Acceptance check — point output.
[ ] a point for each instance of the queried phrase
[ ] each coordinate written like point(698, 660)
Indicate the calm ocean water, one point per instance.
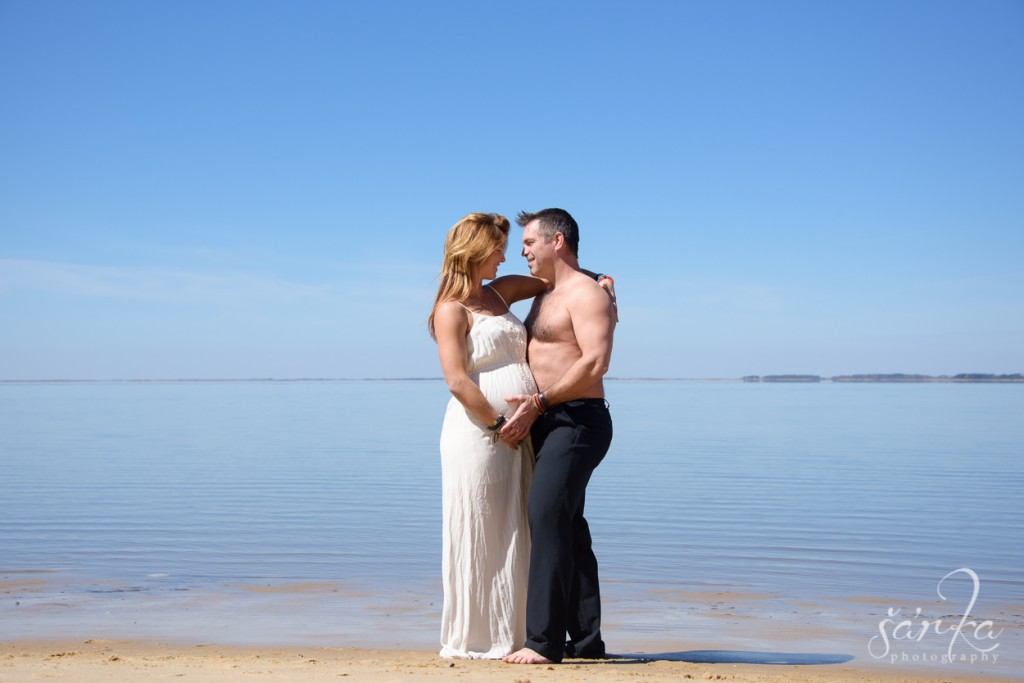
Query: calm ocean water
point(730, 515)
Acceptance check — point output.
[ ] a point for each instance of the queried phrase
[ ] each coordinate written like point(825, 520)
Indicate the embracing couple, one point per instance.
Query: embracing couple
point(520, 441)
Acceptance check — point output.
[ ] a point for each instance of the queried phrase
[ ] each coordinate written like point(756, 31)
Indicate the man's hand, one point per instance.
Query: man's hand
point(517, 427)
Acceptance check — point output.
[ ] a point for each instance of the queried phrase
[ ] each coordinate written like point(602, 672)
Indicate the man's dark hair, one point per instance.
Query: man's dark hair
point(551, 221)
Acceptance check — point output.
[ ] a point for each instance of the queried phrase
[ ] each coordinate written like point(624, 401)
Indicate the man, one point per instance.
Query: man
point(570, 330)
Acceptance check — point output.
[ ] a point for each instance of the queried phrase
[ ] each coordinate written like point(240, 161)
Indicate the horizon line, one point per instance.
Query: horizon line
point(750, 378)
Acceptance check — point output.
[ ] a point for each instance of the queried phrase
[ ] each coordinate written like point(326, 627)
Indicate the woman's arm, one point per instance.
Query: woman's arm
point(513, 288)
point(451, 325)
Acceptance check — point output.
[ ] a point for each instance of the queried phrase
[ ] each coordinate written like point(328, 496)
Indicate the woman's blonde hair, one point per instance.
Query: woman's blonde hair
point(468, 244)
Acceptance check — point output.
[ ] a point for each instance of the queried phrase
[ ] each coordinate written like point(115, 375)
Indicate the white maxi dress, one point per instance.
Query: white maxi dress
point(485, 537)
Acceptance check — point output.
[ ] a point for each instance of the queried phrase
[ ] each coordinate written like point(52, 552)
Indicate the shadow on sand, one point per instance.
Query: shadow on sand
point(740, 657)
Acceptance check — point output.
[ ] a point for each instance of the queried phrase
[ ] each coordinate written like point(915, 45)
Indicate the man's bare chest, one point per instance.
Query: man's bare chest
point(549, 320)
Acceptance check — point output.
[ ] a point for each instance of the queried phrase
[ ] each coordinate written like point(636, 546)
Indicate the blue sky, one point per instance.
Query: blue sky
point(261, 189)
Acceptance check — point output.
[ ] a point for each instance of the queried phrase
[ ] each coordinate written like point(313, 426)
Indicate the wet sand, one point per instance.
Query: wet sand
point(110, 660)
point(49, 630)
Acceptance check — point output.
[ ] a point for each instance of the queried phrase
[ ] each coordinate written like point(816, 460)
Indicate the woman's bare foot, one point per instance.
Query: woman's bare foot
point(526, 656)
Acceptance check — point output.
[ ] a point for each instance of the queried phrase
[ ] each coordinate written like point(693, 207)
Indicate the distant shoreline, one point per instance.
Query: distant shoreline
point(974, 378)
point(900, 378)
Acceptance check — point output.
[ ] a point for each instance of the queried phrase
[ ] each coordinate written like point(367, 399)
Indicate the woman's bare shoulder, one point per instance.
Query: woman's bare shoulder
point(452, 314)
point(450, 305)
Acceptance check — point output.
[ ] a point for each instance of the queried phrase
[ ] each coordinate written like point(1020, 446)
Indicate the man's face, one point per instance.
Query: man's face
point(540, 255)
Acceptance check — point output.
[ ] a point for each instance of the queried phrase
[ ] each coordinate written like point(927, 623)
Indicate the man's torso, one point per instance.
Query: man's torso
point(553, 347)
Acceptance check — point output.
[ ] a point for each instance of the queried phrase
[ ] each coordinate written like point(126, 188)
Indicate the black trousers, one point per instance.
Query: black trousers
point(563, 597)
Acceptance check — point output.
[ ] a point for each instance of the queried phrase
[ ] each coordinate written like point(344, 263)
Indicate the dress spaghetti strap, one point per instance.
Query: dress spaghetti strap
point(500, 297)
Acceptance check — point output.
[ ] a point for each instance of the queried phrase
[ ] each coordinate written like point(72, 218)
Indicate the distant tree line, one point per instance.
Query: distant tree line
point(782, 378)
point(962, 377)
point(892, 377)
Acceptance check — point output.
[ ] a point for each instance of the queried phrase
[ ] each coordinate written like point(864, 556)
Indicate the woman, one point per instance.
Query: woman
point(485, 479)
point(485, 538)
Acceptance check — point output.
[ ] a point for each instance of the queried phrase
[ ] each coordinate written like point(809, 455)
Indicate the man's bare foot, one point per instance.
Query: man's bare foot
point(526, 656)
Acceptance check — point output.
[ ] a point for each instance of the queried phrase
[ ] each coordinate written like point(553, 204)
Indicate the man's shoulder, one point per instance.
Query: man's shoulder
point(578, 280)
point(584, 295)
point(582, 286)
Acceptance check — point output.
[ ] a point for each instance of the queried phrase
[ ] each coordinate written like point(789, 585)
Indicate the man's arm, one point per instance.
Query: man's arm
point(608, 284)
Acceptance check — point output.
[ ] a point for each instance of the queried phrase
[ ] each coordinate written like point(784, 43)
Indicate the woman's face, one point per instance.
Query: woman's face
point(489, 267)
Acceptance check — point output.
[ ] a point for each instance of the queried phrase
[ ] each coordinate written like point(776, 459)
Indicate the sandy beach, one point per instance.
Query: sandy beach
point(142, 638)
point(115, 660)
